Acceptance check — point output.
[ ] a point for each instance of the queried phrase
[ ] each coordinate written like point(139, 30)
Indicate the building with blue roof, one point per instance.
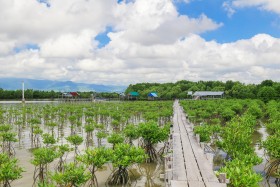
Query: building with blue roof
point(152, 96)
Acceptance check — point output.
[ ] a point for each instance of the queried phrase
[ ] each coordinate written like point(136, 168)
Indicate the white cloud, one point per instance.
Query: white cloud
point(150, 42)
point(193, 58)
point(153, 22)
point(68, 45)
point(228, 8)
point(269, 5)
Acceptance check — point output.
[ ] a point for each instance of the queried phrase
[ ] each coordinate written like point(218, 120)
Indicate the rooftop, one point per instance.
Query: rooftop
point(208, 93)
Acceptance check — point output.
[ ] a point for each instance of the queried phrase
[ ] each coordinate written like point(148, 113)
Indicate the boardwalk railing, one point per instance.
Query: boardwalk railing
point(186, 163)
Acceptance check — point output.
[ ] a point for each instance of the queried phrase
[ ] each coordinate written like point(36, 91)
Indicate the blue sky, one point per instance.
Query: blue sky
point(243, 24)
point(120, 42)
point(103, 38)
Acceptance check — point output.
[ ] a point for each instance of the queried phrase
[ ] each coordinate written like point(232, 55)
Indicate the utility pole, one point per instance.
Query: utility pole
point(23, 100)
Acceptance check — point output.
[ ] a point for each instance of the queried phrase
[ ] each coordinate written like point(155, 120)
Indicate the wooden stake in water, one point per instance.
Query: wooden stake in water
point(23, 100)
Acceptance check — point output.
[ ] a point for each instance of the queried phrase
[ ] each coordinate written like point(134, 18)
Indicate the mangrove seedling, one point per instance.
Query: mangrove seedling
point(95, 159)
point(115, 138)
point(152, 134)
point(75, 140)
point(9, 170)
point(42, 158)
point(73, 176)
point(62, 154)
point(124, 155)
point(131, 133)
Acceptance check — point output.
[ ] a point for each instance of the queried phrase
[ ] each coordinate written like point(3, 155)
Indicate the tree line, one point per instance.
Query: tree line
point(266, 90)
point(43, 94)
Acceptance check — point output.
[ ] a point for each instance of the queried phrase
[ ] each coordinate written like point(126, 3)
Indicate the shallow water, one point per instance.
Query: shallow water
point(141, 175)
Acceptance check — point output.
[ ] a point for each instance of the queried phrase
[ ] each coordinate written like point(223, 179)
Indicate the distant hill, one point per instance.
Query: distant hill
point(15, 84)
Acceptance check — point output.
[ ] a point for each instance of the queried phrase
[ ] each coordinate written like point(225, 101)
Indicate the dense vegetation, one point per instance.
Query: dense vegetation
point(266, 90)
point(111, 134)
point(229, 125)
point(41, 94)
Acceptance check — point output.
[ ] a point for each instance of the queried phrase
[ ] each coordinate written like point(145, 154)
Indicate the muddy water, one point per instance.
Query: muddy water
point(141, 175)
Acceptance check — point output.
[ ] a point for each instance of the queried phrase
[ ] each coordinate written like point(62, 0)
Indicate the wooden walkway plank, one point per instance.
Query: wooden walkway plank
point(179, 172)
point(190, 168)
point(193, 172)
point(215, 184)
point(179, 183)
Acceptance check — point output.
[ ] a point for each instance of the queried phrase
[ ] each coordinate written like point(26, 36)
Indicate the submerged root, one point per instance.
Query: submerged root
point(273, 168)
point(152, 154)
point(119, 177)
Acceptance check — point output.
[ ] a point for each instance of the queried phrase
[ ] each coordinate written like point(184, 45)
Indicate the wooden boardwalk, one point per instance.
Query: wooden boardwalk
point(186, 163)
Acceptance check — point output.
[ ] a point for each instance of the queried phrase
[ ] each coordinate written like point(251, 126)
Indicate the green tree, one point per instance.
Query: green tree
point(241, 173)
point(75, 140)
point(94, 159)
point(123, 156)
point(115, 138)
point(152, 134)
point(73, 176)
point(9, 170)
point(267, 93)
point(131, 132)
point(42, 158)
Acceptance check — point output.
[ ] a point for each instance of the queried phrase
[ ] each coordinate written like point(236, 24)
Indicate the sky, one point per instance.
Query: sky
point(122, 42)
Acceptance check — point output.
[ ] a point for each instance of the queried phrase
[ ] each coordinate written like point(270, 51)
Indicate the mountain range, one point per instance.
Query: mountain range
point(63, 86)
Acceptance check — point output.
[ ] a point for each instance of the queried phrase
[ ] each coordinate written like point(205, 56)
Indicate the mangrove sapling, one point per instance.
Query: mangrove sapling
point(46, 184)
point(131, 133)
point(73, 176)
point(152, 134)
point(115, 125)
point(33, 123)
point(89, 128)
point(240, 173)
point(9, 170)
point(207, 132)
point(37, 132)
point(73, 121)
point(61, 117)
point(7, 142)
point(48, 140)
point(5, 128)
point(123, 156)
point(115, 138)
point(75, 140)
point(42, 158)
point(52, 125)
point(95, 159)
point(101, 134)
point(19, 129)
point(237, 137)
point(62, 154)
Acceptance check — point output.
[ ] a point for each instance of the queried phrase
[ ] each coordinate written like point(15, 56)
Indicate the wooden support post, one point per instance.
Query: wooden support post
point(223, 177)
point(202, 145)
point(197, 138)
